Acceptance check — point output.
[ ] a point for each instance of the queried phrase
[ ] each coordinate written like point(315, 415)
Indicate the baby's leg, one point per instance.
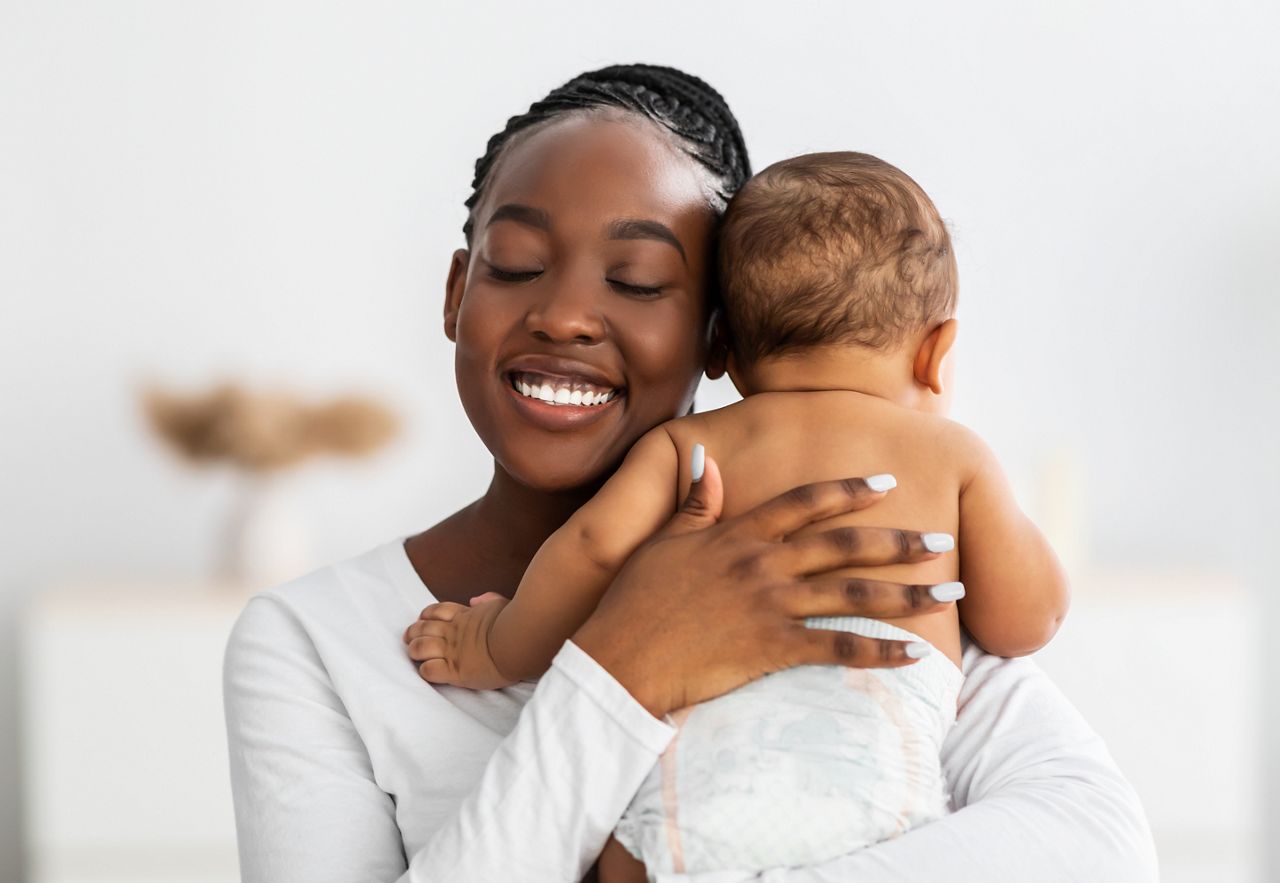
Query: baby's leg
point(451, 642)
point(616, 865)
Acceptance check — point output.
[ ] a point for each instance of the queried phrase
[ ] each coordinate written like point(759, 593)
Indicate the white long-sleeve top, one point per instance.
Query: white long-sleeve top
point(346, 766)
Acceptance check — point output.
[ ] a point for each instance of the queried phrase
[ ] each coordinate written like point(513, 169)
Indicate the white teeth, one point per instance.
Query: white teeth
point(562, 393)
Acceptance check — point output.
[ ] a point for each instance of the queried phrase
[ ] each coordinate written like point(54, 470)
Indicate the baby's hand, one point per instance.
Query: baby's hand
point(452, 644)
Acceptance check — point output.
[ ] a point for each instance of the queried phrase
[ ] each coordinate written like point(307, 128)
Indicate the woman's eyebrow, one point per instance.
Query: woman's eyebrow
point(521, 214)
point(635, 228)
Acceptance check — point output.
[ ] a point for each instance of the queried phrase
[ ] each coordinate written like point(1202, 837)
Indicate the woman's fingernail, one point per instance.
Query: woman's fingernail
point(881, 483)
point(698, 463)
point(938, 542)
point(947, 591)
point(917, 650)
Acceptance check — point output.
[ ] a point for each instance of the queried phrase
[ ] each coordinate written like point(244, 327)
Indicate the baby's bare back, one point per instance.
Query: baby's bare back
point(771, 442)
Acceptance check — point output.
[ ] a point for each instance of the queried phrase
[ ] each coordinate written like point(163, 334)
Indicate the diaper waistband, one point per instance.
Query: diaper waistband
point(934, 671)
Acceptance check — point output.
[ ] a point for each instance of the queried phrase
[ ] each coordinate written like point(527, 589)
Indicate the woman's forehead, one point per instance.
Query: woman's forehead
point(589, 165)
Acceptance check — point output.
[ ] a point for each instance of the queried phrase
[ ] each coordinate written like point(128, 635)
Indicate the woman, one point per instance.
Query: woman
point(589, 260)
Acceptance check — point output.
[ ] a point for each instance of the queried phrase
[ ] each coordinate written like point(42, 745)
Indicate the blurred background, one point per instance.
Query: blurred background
point(268, 194)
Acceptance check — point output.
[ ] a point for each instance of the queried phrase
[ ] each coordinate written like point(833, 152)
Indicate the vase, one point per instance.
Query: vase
point(265, 541)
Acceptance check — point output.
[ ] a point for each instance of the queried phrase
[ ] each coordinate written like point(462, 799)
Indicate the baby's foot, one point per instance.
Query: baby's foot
point(451, 643)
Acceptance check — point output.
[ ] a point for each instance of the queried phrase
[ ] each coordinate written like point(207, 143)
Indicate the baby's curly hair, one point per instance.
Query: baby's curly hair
point(833, 248)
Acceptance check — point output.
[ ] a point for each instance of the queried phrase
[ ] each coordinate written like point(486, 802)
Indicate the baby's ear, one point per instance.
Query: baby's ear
point(930, 362)
point(453, 288)
point(717, 346)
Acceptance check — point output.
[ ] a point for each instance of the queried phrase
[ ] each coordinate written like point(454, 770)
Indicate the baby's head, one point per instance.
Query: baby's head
point(837, 272)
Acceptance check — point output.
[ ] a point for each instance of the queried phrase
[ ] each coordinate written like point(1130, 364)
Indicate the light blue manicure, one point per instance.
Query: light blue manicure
point(698, 463)
point(881, 483)
point(917, 650)
point(947, 591)
point(938, 542)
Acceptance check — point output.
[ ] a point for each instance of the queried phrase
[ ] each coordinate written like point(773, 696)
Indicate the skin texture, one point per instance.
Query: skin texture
point(573, 298)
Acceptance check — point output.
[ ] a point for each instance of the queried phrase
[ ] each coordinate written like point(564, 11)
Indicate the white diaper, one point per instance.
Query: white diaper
point(798, 767)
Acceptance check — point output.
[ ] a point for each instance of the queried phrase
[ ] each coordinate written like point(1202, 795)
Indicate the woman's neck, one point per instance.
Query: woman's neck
point(521, 516)
point(487, 546)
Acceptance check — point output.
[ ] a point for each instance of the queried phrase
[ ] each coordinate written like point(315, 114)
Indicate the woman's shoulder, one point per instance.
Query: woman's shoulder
point(374, 593)
point(380, 576)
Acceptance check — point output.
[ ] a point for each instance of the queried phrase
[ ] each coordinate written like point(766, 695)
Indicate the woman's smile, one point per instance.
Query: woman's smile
point(560, 394)
point(561, 390)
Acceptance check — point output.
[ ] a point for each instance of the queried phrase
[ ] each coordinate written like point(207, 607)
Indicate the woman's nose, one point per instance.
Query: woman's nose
point(569, 315)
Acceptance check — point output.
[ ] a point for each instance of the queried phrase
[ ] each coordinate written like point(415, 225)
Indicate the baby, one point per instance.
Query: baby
point(839, 287)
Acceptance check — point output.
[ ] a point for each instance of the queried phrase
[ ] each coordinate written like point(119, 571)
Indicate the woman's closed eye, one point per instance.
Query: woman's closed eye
point(504, 275)
point(633, 289)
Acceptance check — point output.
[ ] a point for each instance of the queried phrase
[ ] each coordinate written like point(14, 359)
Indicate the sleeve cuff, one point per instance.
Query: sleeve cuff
point(612, 698)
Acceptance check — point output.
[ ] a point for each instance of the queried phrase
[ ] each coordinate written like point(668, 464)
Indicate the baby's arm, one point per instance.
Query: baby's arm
point(1016, 592)
point(574, 567)
point(499, 642)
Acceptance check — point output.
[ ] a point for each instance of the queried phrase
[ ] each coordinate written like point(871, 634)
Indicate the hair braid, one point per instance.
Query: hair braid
point(681, 103)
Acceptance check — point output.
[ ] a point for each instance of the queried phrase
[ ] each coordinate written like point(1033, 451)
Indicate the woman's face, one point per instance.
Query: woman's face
point(579, 312)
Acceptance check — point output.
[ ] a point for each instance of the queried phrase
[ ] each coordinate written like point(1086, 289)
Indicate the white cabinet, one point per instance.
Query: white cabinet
point(1168, 668)
point(124, 748)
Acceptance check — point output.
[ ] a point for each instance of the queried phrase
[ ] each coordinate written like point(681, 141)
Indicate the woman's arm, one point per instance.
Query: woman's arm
point(1040, 799)
point(306, 803)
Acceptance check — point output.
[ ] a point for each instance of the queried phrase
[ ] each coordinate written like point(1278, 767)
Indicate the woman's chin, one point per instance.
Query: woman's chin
point(579, 458)
point(558, 473)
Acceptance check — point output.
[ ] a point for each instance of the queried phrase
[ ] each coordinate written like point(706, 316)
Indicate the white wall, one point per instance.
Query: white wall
point(272, 191)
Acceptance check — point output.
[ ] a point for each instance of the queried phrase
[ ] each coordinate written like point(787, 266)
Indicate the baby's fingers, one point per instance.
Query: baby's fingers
point(427, 627)
point(428, 647)
point(437, 671)
point(445, 611)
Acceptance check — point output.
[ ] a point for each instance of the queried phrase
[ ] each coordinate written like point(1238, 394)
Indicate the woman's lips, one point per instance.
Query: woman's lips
point(560, 402)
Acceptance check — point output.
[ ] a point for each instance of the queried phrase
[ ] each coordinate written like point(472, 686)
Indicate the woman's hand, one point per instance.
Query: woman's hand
point(706, 606)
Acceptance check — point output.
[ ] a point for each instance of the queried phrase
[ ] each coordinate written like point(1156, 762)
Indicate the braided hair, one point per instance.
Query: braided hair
point(684, 105)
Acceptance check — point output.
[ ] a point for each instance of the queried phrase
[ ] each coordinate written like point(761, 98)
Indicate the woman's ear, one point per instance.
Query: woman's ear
point(932, 356)
point(453, 288)
point(717, 346)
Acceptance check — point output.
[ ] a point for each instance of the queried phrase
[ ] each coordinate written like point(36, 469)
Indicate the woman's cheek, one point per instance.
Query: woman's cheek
point(665, 363)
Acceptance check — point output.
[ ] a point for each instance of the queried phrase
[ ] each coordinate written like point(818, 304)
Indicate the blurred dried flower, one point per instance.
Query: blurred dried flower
point(264, 431)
